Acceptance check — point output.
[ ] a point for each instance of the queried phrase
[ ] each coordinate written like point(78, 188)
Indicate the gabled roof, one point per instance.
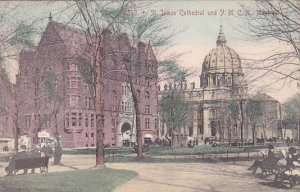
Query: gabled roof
point(263, 96)
point(73, 38)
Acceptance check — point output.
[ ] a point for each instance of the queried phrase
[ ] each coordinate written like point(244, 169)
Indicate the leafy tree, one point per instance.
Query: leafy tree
point(291, 110)
point(233, 116)
point(253, 111)
point(175, 113)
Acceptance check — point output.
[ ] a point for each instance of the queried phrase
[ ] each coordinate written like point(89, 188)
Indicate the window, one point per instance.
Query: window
point(74, 119)
point(113, 123)
point(92, 120)
point(88, 102)
point(122, 106)
point(72, 67)
point(138, 94)
point(26, 86)
point(74, 100)
point(92, 135)
point(129, 107)
point(114, 95)
point(126, 106)
point(147, 81)
point(155, 123)
point(147, 123)
point(74, 82)
point(80, 119)
point(147, 95)
point(125, 90)
point(67, 120)
point(147, 108)
point(78, 82)
point(86, 121)
point(229, 81)
point(114, 107)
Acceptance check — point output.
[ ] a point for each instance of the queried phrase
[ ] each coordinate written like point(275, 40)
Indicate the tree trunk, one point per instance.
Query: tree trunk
point(16, 125)
point(139, 139)
point(100, 138)
point(139, 136)
point(56, 125)
point(242, 122)
point(229, 136)
point(99, 128)
point(253, 134)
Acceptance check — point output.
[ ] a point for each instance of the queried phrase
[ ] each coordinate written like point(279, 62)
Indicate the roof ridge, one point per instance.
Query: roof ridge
point(66, 26)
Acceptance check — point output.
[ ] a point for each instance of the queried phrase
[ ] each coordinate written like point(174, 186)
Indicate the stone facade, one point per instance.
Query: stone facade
point(57, 98)
point(222, 82)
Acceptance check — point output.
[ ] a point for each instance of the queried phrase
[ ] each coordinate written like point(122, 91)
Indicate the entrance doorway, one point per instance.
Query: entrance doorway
point(125, 134)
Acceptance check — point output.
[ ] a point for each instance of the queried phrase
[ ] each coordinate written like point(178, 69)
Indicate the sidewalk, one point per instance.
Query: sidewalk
point(69, 163)
point(176, 177)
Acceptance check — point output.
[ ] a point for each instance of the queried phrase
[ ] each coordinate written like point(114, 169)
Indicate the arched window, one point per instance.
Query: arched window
point(122, 106)
point(147, 95)
point(114, 95)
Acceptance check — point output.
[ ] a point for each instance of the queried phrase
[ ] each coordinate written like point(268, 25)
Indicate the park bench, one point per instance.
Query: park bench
point(29, 163)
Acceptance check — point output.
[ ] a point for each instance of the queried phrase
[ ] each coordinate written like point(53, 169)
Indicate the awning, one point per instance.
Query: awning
point(148, 136)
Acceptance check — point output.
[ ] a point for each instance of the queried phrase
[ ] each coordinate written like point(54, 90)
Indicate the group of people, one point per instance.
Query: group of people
point(37, 151)
point(22, 154)
point(291, 157)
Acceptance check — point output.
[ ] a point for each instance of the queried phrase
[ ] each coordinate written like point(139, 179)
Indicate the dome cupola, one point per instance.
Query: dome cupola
point(221, 38)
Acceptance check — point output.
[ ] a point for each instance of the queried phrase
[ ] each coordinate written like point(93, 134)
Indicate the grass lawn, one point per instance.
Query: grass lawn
point(166, 150)
point(199, 149)
point(98, 180)
point(91, 151)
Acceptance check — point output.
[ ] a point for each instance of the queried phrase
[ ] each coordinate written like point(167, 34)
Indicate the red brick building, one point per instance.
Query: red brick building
point(57, 98)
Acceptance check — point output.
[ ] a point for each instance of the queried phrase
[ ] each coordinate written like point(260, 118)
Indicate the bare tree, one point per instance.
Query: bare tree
point(277, 21)
point(89, 17)
point(14, 37)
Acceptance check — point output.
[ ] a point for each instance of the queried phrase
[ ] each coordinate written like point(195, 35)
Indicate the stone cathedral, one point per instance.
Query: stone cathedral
point(222, 81)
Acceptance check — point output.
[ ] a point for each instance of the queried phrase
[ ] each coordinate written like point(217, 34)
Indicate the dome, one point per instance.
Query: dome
point(221, 66)
point(222, 58)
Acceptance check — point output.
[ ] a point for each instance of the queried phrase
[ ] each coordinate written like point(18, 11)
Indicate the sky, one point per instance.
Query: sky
point(198, 23)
